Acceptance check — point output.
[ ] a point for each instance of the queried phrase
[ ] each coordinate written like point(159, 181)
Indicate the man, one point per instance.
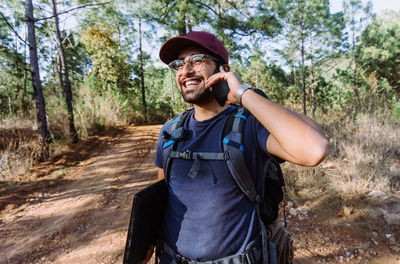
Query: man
point(207, 216)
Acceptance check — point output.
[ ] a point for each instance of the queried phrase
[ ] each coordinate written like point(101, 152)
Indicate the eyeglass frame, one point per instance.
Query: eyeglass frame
point(190, 60)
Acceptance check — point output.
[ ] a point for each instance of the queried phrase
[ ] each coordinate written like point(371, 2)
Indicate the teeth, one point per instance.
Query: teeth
point(192, 83)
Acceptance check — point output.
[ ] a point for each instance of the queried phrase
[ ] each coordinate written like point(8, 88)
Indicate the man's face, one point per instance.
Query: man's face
point(191, 82)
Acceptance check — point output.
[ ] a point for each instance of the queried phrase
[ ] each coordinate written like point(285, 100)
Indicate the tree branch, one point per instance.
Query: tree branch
point(12, 28)
point(72, 9)
point(237, 9)
point(211, 9)
point(162, 17)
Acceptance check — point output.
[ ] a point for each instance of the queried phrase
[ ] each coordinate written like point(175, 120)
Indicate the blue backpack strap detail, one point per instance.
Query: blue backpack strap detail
point(168, 143)
point(241, 116)
point(233, 143)
point(175, 121)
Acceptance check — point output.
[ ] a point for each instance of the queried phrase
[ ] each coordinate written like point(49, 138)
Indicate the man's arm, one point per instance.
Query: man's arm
point(294, 137)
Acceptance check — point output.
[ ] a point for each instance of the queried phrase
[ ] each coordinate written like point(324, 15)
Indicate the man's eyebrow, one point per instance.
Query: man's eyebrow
point(182, 58)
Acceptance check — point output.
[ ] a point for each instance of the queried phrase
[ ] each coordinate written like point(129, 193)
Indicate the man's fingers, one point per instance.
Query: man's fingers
point(212, 80)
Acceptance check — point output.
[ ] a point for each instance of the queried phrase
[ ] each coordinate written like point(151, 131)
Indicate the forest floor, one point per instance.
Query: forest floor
point(75, 208)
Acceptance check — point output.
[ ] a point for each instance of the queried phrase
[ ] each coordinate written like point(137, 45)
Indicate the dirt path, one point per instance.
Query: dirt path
point(83, 217)
point(75, 209)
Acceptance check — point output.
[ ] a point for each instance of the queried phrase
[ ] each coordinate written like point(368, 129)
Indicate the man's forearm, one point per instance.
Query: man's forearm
point(294, 137)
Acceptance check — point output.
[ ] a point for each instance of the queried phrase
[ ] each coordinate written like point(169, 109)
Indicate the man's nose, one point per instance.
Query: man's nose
point(187, 68)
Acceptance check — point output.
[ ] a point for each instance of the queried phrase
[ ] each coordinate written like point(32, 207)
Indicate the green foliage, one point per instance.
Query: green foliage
point(311, 37)
point(230, 21)
point(269, 78)
point(109, 62)
point(159, 84)
point(76, 56)
point(396, 109)
point(13, 93)
point(103, 58)
point(380, 49)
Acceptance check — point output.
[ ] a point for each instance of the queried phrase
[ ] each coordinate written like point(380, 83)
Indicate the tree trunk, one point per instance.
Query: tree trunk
point(257, 67)
point(19, 70)
point(9, 101)
point(37, 86)
point(182, 19)
point(59, 73)
point(292, 74)
point(303, 78)
point(182, 31)
point(189, 23)
point(312, 87)
point(313, 104)
point(66, 84)
point(141, 69)
point(355, 88)
point(23, 99)
point(172, 86)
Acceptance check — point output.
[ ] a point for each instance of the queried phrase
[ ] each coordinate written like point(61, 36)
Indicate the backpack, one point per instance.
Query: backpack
point(233, 154)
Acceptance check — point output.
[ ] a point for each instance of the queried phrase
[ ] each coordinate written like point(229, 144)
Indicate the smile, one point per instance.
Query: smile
point(192, 82)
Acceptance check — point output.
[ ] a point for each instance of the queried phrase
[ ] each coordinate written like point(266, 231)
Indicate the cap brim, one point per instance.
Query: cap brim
point(171, 48)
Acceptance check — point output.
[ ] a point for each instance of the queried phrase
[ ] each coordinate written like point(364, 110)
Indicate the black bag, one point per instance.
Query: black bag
point(145, 221)
point(273, 192)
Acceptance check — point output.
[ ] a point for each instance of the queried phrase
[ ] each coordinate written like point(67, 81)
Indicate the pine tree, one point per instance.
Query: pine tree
point(311, 35)
point(64, 82)
point(37, 85)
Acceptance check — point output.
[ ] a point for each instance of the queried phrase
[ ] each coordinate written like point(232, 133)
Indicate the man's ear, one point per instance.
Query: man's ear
point(226, 67)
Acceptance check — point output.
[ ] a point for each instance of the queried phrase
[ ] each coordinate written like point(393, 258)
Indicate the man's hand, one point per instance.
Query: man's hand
point(231, 78)
point(148, 255)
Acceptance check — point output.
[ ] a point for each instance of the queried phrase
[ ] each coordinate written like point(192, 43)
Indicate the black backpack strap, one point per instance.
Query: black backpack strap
point(189, 155)
point(175, 134)
point(197, 156)
point(233, 144)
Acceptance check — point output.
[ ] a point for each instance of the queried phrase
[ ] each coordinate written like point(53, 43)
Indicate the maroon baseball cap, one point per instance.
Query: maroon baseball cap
point(169, 51)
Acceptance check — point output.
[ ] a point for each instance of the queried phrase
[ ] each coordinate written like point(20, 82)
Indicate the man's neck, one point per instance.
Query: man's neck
point(208, 110)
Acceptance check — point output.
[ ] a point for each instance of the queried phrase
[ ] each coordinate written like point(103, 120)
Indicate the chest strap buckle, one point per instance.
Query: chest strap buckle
point(187, 154)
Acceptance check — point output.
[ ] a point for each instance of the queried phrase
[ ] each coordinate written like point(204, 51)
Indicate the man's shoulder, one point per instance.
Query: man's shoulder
point(168, 123)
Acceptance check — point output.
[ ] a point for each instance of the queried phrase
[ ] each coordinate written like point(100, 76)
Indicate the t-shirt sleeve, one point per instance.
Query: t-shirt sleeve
point(262, 135)
point(158, 160)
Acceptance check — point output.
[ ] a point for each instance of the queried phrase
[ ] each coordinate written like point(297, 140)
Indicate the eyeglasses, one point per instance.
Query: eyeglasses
point(195, 62)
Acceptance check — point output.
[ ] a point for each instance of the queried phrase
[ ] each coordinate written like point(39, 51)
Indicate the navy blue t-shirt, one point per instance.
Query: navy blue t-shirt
point(209, 217)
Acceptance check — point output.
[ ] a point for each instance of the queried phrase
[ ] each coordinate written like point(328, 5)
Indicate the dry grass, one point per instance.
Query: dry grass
point(20, 140)
point(19, 147)
point(364, 156)
point(96, 112)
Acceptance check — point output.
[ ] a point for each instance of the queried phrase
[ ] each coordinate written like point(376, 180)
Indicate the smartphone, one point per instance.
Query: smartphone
point(220, 90)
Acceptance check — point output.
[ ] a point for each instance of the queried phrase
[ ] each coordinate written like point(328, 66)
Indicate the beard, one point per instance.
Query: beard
point(198, 97)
